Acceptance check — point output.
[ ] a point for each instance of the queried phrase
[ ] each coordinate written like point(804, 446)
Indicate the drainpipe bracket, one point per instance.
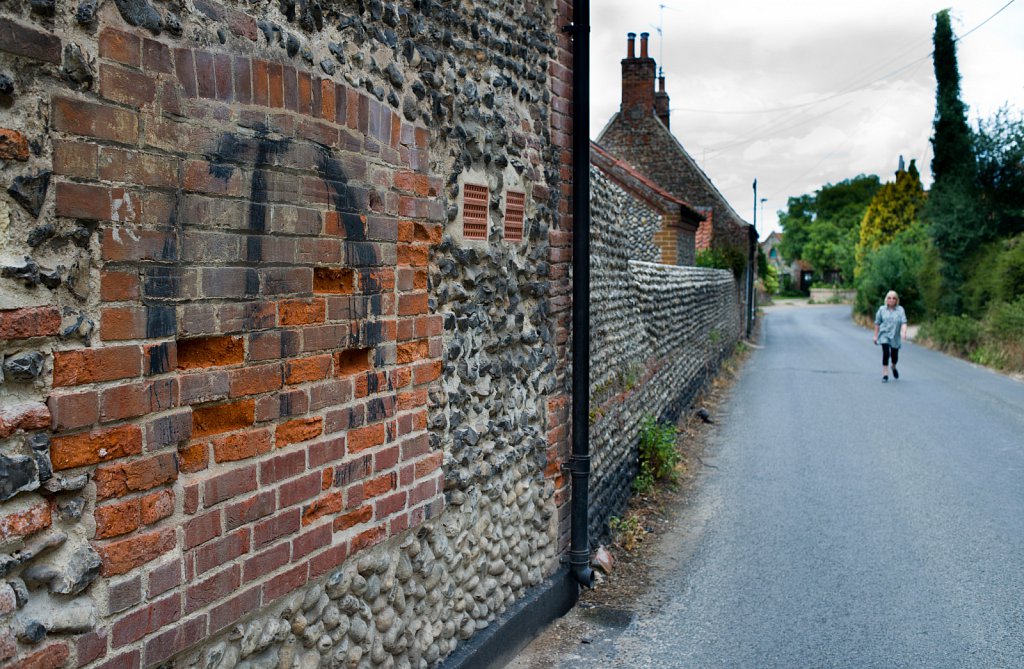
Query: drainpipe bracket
point(578, 465)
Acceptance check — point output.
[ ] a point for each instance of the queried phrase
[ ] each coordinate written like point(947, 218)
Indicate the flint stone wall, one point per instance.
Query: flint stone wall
point(261, 407)
point(658, 332)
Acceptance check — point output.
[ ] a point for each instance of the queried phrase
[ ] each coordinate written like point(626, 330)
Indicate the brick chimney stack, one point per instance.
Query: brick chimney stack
point(661, 106)
point(637, 80)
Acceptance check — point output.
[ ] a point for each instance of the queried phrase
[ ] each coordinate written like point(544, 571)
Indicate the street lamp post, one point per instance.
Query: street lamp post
point(755, 205)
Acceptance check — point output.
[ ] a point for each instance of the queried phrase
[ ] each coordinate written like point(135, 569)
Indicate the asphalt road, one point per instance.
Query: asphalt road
point(845, 522)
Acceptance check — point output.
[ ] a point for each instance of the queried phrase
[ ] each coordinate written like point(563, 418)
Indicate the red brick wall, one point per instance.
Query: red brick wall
point(705, 232)
point(252, 406)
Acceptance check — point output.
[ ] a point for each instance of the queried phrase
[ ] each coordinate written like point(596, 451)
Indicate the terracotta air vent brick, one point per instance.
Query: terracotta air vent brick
point(474, 211)
point(515, 205)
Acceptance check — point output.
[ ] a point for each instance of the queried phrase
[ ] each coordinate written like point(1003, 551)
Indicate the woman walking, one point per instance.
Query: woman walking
point(890, 330)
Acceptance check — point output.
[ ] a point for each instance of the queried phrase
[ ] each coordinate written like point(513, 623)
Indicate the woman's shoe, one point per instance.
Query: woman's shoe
point(885, 379)
point(895, 374)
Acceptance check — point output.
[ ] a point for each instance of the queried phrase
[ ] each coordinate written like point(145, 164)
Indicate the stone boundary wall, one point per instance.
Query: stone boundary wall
point(658, 332)
point(832, 296)
point(262, 405)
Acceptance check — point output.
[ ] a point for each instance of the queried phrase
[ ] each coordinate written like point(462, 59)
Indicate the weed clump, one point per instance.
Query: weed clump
point(658, 454)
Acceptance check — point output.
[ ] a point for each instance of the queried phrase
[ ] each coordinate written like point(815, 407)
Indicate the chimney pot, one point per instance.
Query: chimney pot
point(661, 102)
point(631, 48)
point(638, 76)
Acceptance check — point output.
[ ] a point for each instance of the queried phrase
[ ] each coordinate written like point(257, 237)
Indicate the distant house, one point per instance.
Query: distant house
point(796, 275)
point(660, 227)
point(639, 134)
point(771, 249)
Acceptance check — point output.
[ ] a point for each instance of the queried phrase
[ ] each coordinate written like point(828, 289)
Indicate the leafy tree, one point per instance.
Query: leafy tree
point(957, 221)
point(822, 228)
point(762, 263)
point(929, 279)
point(894, 209)
point(724, 256)
point(999, 146)
point(844, 203)
point(995, 275)
point(829, 248)
point(770, 280)
point(895, 266)
point(794, 221)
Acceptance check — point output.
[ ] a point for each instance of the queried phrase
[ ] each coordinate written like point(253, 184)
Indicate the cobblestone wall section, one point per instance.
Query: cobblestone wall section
point(685, 249)
point(260, 406)
point(618, 348)
point(687, 309)
point(657, 334)
point(640, 224)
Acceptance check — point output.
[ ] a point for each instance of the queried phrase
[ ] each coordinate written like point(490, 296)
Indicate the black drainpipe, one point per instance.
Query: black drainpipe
point(579, 463)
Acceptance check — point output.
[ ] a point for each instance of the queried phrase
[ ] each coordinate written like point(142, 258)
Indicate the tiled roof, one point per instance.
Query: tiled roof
point(641, 186)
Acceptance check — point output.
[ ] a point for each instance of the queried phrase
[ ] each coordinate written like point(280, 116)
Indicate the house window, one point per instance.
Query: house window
point(474, 211)
point(515, 206)
point(773, 254)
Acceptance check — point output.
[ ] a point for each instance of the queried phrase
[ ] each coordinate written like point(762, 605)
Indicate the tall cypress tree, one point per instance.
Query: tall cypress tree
point(954, 154)
point(953, 209)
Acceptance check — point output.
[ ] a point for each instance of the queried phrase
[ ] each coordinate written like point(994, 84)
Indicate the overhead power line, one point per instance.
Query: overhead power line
point(842, 147)
point(849, 89)
point(998, 12)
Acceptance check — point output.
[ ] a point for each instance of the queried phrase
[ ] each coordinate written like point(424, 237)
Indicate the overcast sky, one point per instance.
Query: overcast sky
point(801, 93)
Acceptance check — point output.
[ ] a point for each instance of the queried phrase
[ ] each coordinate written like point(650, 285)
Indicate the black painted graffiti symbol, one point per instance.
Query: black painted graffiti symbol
point(277, 165)
point(234, 149)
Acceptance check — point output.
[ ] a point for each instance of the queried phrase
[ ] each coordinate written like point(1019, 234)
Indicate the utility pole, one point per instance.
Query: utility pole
point(751, 264)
